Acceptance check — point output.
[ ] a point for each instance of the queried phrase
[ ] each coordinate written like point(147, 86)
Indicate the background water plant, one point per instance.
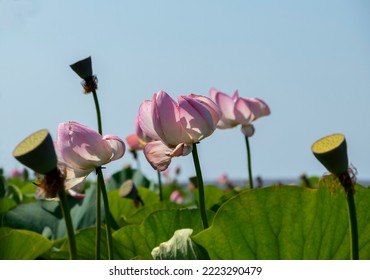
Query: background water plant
point(273, 222)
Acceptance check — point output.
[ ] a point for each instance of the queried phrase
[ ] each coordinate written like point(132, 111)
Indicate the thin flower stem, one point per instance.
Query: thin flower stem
point(200, 187)
point(69, 225)
point(160, 186)
point(98, 222)
point(249, 162)
point(353, 224)
point(101, 184)
point(98, 115)
point(98, 191)
point(348, 185)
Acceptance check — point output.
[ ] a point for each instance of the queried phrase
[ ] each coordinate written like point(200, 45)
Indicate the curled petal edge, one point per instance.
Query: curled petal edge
point(117, 145)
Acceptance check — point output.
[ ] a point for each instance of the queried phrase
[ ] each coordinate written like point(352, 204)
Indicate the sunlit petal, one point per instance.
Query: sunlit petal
point(226, 105)
point(166, 119)
point(82, 147)
point(258, 107)
point(243, 113)
point(199, 116)
point(145, 119)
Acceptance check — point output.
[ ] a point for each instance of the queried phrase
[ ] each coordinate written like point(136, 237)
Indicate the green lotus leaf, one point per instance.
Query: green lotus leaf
point(21, 244)
point(288, 222)
point(138, 241)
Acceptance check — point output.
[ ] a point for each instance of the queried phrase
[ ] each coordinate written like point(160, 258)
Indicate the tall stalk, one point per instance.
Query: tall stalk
point(200, 186)
point(98, 188)
point(98, 115)
point(101, 189)
point(69, 225)
point(347, 183)
point(101, 185)
point(249, 162)
point(160, 186)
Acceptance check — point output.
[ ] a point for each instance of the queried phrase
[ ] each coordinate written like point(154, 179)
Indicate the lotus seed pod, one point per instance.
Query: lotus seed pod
point(37, 152)
point(331, 151)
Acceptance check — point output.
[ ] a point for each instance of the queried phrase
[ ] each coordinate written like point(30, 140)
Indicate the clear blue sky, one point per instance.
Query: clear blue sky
point(309, 60)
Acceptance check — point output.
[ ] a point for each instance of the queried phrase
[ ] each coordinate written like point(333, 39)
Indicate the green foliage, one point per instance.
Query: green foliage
point(82, 211)
point(35, 216)
point(127, 173)
point(138, 216)
point(288, 222)
point(41, 214)
point(21, 244)
point(277, 222)
point(138, 241)
point(121, 208)
point(2, 186)
point(6, 204)
point(85, 241)
point(14, 192)
point(213, 196)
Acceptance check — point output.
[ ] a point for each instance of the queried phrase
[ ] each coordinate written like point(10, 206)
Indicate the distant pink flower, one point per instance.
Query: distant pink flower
point(223, 178)
point(15, 172)
point(176, 197)
point(134, 142)
point(81, 150)
point(237, 110)
point(177, 125)
point(137, 141)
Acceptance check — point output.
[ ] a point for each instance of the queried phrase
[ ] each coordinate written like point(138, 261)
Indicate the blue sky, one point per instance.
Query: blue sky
point(309, 60)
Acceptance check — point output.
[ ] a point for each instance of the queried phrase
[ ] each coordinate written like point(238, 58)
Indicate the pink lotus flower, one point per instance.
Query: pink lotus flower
point(81, 150)
point(237, 110)
point(177, 125)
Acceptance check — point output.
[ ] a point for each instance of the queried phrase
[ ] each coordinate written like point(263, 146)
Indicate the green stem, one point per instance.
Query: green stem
point(249, 162)
point(353, 225)
point(101, 183)
point(200, 186)
point(98, 115)
point(346, 181)
point(69, 225)
point(98, 222)
point(160, 186)
point(98, 191)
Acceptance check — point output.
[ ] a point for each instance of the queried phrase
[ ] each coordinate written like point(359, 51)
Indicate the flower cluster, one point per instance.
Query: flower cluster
point(165, 129)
